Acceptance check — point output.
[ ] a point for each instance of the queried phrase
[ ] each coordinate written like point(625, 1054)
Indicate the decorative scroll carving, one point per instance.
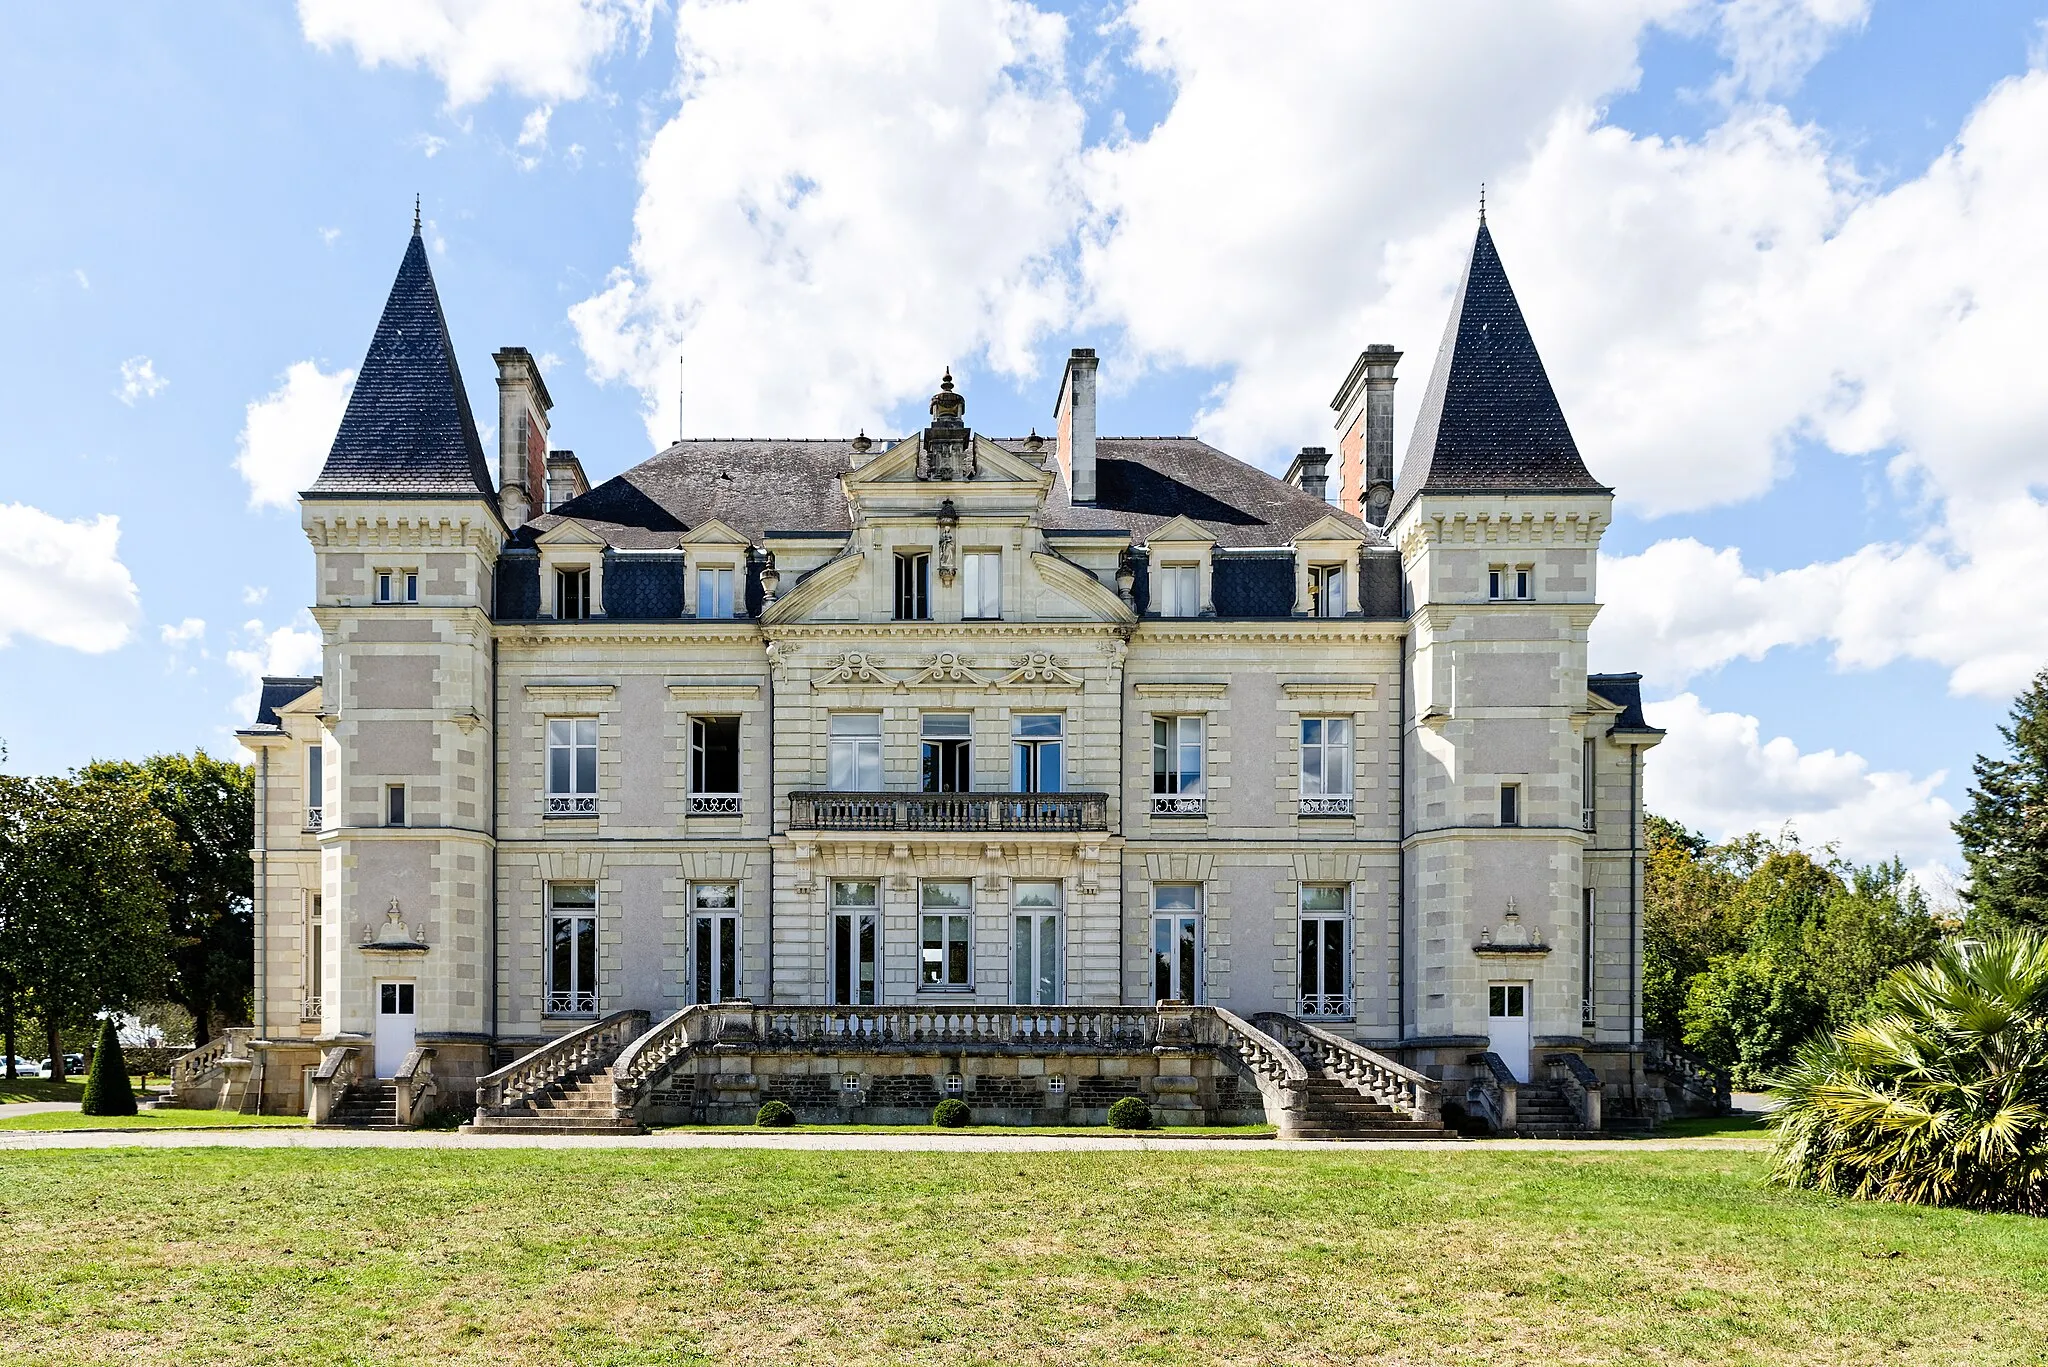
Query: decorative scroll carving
point(1039, 669)
point(947, 668)
point(854, 667)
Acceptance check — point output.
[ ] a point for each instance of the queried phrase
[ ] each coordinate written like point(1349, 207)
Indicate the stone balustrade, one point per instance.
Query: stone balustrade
point(1700, 1083)
point(1579, 1084)
point(340, 1068)
point(415, 1087)
point(1494, 1089)
point(816, 810)
point(1371, 1075)
point(580, 1051)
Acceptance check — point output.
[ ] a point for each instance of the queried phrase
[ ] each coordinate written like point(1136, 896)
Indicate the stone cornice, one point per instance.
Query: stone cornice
point(925, 634)
point(1440, 616)
point(1305, 630)
point(1504, 520)
point(371, 524)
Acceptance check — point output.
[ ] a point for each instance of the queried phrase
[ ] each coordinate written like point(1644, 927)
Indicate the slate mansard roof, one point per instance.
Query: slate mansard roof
point(1626, 692)
point(761, 486)
point(1489, 421)
point(280, 691)
point(408, 430)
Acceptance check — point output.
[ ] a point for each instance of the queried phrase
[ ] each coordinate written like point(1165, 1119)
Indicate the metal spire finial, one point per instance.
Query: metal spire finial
point(415, 215)
point(1482, 204)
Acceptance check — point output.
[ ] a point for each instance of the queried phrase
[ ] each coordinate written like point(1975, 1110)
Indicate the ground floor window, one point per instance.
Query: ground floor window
point(572, 949)
point(855, 942)
point(714, 942)
point(1035, 944)
point(1325, 983)
point(945, 919)
point(1176, 942)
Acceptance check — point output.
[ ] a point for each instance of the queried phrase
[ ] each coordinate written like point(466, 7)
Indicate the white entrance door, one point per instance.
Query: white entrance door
point(1507, 1026)
point(395, 1019)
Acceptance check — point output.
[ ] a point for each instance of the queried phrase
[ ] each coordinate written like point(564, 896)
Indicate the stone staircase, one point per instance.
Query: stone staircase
point(1335, 1112)
point(1542, 1111)
point(580, 1102)
point(368, 1105)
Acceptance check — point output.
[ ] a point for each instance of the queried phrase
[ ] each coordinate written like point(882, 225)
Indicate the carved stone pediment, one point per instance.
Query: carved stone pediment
point(947, 669)
point(1039, 669)
point(854, 668)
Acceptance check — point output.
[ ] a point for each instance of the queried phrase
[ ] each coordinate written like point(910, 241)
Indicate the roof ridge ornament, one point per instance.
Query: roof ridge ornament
point(1482, 204)
point(415, 215)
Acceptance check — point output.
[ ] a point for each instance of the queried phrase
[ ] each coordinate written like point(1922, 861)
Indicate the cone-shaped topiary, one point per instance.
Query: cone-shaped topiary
point(106, 1084)
point(1129, 1113)
point(775, 1115)
point(951, 1114)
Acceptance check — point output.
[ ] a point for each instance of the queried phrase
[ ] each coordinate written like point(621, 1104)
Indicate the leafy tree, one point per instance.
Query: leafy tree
point(1689, 919)
point(1748, 1012)
point(211, 804)
point(2005, 832)
point(106, 1082)
point(1940, 1097)
point(82, 910)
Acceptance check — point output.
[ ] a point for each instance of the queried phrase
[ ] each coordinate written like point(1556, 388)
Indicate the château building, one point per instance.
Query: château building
point(1011, 767)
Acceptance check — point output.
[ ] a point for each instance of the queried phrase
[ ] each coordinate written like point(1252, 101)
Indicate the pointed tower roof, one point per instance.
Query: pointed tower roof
point(1489, 421)
point(408, 429)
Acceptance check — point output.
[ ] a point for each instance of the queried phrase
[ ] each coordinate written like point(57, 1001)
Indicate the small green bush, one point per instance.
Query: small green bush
point(775, 1115)
point(951, 1114)
point(1129, 1113)
point(106, 1083)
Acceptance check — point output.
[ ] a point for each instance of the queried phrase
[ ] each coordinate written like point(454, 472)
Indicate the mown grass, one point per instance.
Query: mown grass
point(146, 1120)
point(684, 1256)
point(49, 1089)
point(1058, 1131)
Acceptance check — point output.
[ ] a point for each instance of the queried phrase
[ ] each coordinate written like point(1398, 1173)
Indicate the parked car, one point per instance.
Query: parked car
point(74, 1064)
point(24, 1067)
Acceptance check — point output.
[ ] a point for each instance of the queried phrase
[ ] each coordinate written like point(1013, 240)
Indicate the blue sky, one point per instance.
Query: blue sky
point(1781, 256)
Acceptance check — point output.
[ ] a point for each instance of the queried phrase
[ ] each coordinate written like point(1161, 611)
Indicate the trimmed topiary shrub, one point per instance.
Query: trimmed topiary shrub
point(775, 1115)
point(951, 1114)
point(106, 1083)
point(1129, 1113)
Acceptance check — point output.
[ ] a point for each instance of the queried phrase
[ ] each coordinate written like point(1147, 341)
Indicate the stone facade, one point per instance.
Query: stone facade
point(1312, 799)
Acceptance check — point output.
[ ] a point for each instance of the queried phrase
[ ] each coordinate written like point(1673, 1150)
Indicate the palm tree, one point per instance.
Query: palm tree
point(1941, 1097)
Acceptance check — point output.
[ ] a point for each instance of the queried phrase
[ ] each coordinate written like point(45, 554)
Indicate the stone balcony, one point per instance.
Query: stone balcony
point(816, 810)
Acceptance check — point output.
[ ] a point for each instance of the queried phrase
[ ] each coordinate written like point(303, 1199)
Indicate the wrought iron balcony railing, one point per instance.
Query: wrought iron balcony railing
point(1326, 1006)
point(572, 804)
point(313, 815)
point(714, 804)
point(815, 810)
point(1328, 804)
point(1180, 804)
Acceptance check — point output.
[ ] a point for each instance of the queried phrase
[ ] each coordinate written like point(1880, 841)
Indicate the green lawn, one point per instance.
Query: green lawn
point(1474, 1255)
point(48, 1089)
point(147, 1120)
point(1059, 1131)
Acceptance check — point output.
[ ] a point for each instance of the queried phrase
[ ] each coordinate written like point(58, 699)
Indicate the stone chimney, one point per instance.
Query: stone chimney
point(1365, 452)
point(1073, 416)
point(1310, 473)
point(523, 405)
point(566, 479)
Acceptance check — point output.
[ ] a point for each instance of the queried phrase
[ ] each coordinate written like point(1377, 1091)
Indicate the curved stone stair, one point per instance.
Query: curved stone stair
point(579, 1103)
point(1333, 1111)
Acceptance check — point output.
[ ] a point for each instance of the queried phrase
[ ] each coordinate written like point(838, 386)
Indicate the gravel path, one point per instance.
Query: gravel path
point(8, 1108)
point(919, 1141)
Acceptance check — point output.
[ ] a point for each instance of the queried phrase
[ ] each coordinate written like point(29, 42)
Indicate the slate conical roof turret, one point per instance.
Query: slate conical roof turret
point(408, 430)
point(1489, 421)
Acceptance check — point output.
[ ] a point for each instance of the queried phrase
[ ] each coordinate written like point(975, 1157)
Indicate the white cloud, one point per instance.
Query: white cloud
point(252, 595)
point(542, 49)
point(847, 199)
point(83, 282)
point(183, 633)
point(63, 582)
point(329, 236)
point(1714, 773)
point(430, 145)
point(287, 433)
point(1771, 44)
point(290, 650)
point(533, 136)
point(139, 380)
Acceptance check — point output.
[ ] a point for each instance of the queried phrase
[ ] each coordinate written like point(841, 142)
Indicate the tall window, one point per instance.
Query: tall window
point(1326, 766)
point(913, 586)
point(572, 949)
point(316, 785)
point(316, 960)
point(947, 760)
point(714, 766)
point(572, 766)
point(714, 592)
point(856, 933)
point(1588, 941)
point(398, 586)
point(1035, 944)
point(946, 914)
point(856, 752)
point(714, 942)
point(1035, 761)
point(394, 804)
point(1510, 804)
point(1179, 589)
point(1325, 951)
point(1177, 787)
point(1177, 942)
point(572, 594)
point(1326, 591)
point(1588, 793)
point(981, 577)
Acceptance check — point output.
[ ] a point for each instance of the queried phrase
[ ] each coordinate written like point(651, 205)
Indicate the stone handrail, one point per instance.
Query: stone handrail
point(1493, 1088)
point(820, 810)
point(647, 1057)
point(584, 1050)
point(196, 1071)
point(1580, 1085)
point(415, 1086)
point(1282, 1078)
point(1345, 1061)
point(1115, 1029)
point(1697, 1078)
point(339, 1069)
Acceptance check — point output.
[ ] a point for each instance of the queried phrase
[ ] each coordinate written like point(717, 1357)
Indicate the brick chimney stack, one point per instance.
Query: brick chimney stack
point(1365, 452)
point(1073, 416)
point(523, 405)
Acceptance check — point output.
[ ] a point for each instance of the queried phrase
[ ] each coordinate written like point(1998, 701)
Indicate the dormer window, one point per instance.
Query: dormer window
point(913, 586)
point(1326, 591)
point(1180, 590)
point(715, 591)
point(398, 586)
point(572, 593)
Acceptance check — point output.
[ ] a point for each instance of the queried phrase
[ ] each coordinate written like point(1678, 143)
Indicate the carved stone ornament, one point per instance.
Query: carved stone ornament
point(946, 667)
point(394, 933)
point(946, 449)
point(1039, 668)
point(771, 578)
point(854, 667)
point(949, 542)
